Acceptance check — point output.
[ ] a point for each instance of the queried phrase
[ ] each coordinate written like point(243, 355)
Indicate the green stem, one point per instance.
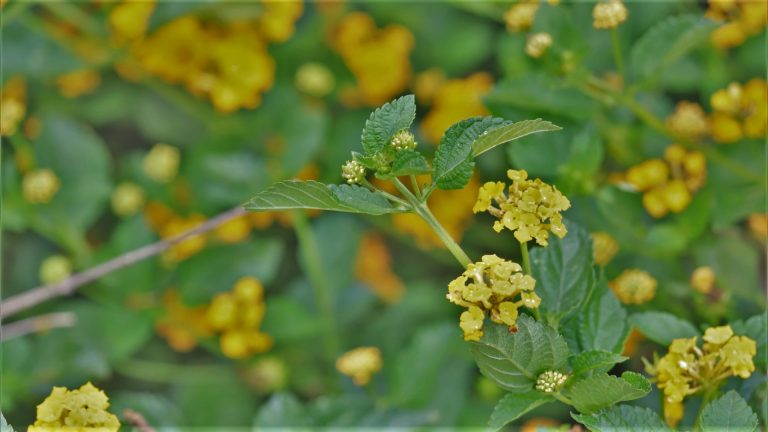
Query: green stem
point(389, 196)
point(562, 398)
point(708, 396)
point(316, 273)
point(617, 56)
point(423, 210)
point(415, 185)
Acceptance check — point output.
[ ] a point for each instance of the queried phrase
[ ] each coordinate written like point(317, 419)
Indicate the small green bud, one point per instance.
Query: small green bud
point(353, 172)
point(550, 381)
point(403, 140)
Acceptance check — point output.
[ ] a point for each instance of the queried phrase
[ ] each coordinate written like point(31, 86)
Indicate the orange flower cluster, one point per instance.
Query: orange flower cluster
point(742, 19)
point(455, 100)
point(374, 268)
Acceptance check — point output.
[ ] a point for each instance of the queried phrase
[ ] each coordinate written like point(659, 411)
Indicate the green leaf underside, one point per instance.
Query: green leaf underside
point(623, 418)
point(409, 162)
point(600, 391)
point(514, 360)
point(514, 405)
point(662, 327)
point(386, 121)
point(604, 325)
point(563, 272)
point(596, 361)
point(729, 412)
point(300, 194)
point(509, 132)
point(453, 162)
point(667, 42)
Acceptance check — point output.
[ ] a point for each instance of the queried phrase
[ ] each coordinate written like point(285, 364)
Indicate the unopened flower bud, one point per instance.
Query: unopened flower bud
point(403, 140)
point(550, 381)
point(353, 172)
point(538, 44)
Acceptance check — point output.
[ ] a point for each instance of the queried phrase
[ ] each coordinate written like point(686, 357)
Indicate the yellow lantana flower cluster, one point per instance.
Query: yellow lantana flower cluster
point(538, 44)
point(360, 364)
point(668, 184)
point(278, 19)
point(453, 101)
point(491, 285)
point(703, 279)
point(739, 111)
point(13, 105)
point(84, 409)
point(687, 369)
point(608, 14)
point(519, 17)
point(237, 316)
point(604, 247)
point(689, 120)
point(634, 286)
point(181, 325)
point(531, 208)
point(743, 18)
point(377, 57)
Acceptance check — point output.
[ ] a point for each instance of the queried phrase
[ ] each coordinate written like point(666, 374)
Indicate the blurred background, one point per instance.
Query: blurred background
point(128, 122)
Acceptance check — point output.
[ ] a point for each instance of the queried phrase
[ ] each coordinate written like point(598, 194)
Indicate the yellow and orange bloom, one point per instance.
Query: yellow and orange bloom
point(360, 364)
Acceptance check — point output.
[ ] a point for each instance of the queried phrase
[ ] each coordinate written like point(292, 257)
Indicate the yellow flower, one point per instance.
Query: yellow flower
point(40, 186)
point(634, 286)
point(234, 230)
point(378, 58)
point(127, 199)
point(128, 20)
point(187, 247)
point(703, 279)
point(267, 375)
point(715, 336)
point(81, 409)
point(315, 79)
point(538, 44)
point(78, 83)
point(13, 105)
point(360, 364)
point(488, 192)
point(531, 209)
point(738, 353)
point(676, 196)
point(278, 18)
point(608, 14)
point(520, 16)
point(427, 84)
point(758, 225)
point(373, 267)
point(181, 326)
point(604, 247)
point(739, 111)
point(456, 100)
point(161, 164)
point(743, 19)
point(648, 174)
point(55, 269)
point(494, 283)
point(688, 120)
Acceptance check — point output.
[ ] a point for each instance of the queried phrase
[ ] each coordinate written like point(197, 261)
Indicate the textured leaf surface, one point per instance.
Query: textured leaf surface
point(604, 324)
point(386, 121)
point(453, 158)
point(601, 391)
point(514, 405)
point(514, 360)
point(563, 273)
point(662, 327)
point(299, 194)
point(509, 132)
point(623, 418)
point(667, 42)
point(409, 162)
point(730, 412)
point(596, 361)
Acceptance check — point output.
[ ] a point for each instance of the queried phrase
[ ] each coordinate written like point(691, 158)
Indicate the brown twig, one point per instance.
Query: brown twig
point(137, 420)
point(37, 324)
point(35, 296)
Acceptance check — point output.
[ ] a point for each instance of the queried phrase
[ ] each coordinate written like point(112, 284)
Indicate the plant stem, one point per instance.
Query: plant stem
point(616, 43)
point(423, 210)
point(316, 273)
point(389, 196)
point(708, 396)
point(415, 185)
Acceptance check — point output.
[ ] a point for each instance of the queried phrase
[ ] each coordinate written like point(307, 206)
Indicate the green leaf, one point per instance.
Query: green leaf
point(624, 418)
point(453, 158)
point(662, 327)
point(539, 94)
point(600, 391)
point(729, 412)
point(604, 324)
point(667, 42)
point(514, 405)
point(386, 121)
point(508, 132)
point(281, 410)
point(515, 360)
point(408, 162)
point(563, 273)
point(595, 361)
point(299, 194)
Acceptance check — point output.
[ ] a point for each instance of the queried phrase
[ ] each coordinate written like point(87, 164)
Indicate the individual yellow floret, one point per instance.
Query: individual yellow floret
point(127, 199)
point(315, 79)
point(360, 364)
point(76, 410)
point(703, 279)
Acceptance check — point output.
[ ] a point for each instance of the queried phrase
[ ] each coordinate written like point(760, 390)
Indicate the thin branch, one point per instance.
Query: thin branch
point(37, 324)
point(137, 420)
point(33, 297)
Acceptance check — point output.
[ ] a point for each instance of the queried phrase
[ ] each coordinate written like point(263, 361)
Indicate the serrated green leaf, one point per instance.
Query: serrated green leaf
point(729, 412)
point(624, 418)
point(509, 132)
point(300, 194)
point(563, 273)
point(386, 121)
point(595, 361)
point(600, 391)
point(663, 327)
point(408, 162)
point(453, 163)
point(604, 324)
point(515, 360)
point(514, 405)
point(667, 42)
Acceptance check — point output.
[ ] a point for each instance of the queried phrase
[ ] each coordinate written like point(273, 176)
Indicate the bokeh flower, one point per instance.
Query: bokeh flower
point(688, 120)
point(180, 325)
point(360, 364)
point(373, 267)
point(519, 17)
point(634, 286)
point(77, 83)
point(13, 101)
point(740, 20)
point(608, 14)
point(538, 44)
point(39, 186)
point(604, 247)
point(161, 164)
point(455, 100)
point(55, 269)
point(127, 199)
point(703, 279)
point(740, 111)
